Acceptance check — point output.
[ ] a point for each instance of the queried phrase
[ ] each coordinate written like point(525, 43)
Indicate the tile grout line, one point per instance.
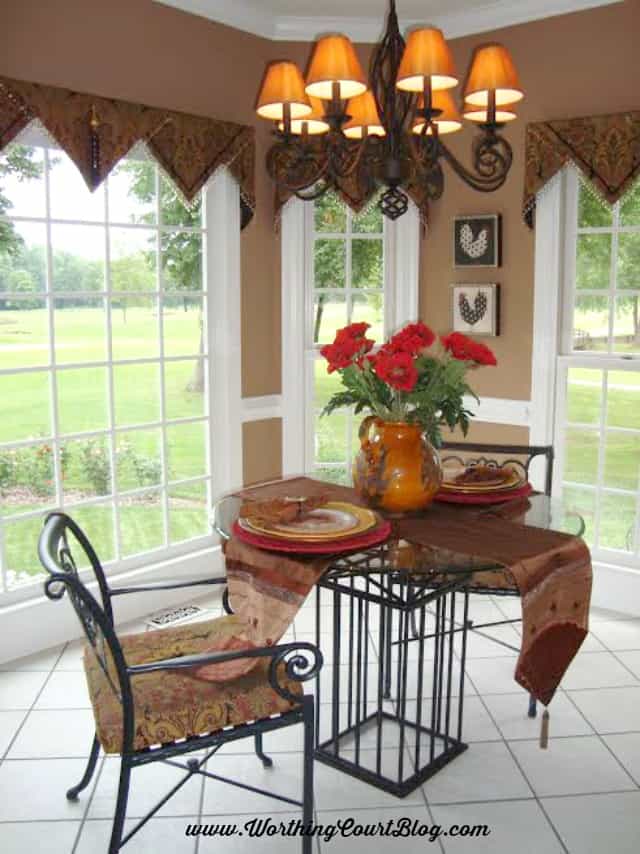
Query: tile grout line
point(35, 700)
point(526, 779)
point(85, 816)
point(602, 740)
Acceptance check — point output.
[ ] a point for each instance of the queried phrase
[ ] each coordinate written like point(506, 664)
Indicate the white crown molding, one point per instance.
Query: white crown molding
point(255, 17)
point(252, 16)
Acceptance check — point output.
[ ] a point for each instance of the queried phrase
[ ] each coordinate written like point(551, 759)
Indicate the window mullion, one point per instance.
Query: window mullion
point(161, 373)
point(50, 299)
point(115, 511)
point(613, 276)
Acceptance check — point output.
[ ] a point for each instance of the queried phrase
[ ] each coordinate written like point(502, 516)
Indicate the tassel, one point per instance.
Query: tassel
point(94, 124)
point(544, 730)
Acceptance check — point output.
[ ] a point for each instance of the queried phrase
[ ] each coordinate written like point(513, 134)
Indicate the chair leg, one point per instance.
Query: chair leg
point(533, 707)
point(121, 807)
point(267, 761)
point(73, 793)
point(225, 601)
point(307, 780)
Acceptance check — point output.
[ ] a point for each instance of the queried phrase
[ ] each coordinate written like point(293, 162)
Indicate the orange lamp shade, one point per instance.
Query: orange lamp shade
point(426, 57)
point(364, 114)
point(282, 84)
point(504, 113)
point(334, 60)
point(448, 121)
point(314, 123)
point(492, 70)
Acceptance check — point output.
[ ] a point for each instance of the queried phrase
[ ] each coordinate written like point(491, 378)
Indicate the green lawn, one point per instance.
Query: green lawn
point(82, 401)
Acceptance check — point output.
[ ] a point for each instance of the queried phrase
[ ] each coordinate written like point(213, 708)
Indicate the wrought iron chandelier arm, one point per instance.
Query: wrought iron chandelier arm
point(492, 158)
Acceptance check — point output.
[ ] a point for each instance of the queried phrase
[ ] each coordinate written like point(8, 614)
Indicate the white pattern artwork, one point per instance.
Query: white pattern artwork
point(477, 241)
point(475, 309)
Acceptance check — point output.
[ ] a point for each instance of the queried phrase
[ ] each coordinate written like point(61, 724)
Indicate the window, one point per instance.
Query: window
point(104, 369)
point(346, 273)
point(598, 379)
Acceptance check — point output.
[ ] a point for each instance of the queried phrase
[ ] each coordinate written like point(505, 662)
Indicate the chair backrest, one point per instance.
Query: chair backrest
point(520, 456)
point(96, 620)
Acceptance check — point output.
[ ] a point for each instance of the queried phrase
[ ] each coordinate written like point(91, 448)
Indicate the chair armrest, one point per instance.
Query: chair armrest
point(168, 584)
point(302, 662)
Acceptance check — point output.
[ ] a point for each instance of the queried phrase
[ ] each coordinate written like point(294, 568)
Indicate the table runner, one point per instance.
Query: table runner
point(551, 570)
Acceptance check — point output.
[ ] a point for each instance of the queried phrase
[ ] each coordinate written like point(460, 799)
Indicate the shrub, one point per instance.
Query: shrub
point(96, 465)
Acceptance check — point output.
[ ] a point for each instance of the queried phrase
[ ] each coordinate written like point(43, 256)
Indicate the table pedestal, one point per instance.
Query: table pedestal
point(390, 697)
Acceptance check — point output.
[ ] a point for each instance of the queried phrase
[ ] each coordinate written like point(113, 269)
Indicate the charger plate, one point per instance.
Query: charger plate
point(484, 497)
point(513, 481)
point(334, 520)
point(347, 544)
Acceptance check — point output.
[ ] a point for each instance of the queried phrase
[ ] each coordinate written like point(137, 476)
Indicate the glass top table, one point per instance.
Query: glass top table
point(540, 511)
point(392, 624)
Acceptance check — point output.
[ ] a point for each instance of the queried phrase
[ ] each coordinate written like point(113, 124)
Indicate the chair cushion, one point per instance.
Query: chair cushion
point(173, 705)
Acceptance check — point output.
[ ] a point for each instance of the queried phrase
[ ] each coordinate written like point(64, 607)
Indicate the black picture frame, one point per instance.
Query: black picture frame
point(477, 240)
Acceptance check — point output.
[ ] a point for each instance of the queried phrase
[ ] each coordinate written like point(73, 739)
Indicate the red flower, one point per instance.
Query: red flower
point(397, 369)
point(354, 330)
point(349, 346)
point(467, 350)
point(413, 339)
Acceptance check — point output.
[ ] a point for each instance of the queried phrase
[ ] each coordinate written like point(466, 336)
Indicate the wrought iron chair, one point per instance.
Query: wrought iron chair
point(147, 704)
point(520, 457)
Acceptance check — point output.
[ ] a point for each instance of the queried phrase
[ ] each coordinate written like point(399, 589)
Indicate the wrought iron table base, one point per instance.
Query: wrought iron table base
point(394, 743)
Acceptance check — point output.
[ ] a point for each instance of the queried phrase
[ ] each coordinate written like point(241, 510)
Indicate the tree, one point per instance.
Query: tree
point(130, 273)
point(329, 260)
point(180, 251)
point(593, 261)
point(17, 161)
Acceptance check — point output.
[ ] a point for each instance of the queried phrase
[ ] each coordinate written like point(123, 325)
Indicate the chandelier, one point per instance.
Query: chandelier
point(334, 127)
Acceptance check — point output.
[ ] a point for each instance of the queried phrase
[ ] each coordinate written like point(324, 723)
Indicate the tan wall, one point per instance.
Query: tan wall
point(141, 51)
point(262, 450)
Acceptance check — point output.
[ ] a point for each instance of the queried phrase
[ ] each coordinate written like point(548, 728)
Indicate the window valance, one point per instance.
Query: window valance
point(97, 132)
point(606, 150)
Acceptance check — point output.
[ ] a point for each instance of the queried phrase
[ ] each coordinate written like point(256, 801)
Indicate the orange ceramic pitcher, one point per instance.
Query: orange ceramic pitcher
point(396, 469)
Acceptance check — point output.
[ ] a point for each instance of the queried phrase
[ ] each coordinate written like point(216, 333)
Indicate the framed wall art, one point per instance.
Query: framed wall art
point(477, 240)
point(475, 309)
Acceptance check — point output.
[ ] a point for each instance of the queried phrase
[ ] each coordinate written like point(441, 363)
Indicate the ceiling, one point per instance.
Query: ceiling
point(363, 20)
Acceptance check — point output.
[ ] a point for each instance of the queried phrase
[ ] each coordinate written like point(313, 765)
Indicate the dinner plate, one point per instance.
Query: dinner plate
point(523, 491)
point(366, 540)
point(513, 481)
point(334, 520)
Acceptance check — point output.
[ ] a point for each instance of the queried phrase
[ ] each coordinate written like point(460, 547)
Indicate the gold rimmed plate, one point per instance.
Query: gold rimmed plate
point(334, 520)
point(511, 481)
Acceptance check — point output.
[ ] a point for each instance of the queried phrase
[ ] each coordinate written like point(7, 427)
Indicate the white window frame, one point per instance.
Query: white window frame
point(617, 579)
point(401, 287)
point(198, 557)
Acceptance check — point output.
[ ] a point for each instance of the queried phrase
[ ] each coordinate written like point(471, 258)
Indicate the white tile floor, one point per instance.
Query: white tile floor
point(581, 796)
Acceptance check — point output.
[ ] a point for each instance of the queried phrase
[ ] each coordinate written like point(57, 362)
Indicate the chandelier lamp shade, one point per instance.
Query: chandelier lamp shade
point(334, 125)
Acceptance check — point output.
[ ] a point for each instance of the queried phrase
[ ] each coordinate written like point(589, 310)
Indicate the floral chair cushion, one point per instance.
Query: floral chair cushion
point(172, 705)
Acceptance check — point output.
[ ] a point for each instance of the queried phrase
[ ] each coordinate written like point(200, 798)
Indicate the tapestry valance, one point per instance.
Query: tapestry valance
point(606, 150)
point(97, 132)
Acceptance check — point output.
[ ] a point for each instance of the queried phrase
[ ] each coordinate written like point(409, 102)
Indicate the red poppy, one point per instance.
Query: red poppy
point(467, 350)
point(349, 346)
point(413, 339)
point(397, 369)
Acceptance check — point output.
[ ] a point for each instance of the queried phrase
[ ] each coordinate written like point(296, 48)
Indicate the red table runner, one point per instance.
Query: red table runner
point(551, 570)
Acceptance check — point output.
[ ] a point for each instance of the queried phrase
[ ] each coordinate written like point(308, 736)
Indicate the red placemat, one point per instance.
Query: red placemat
point(484, 497)
point(348, 544)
